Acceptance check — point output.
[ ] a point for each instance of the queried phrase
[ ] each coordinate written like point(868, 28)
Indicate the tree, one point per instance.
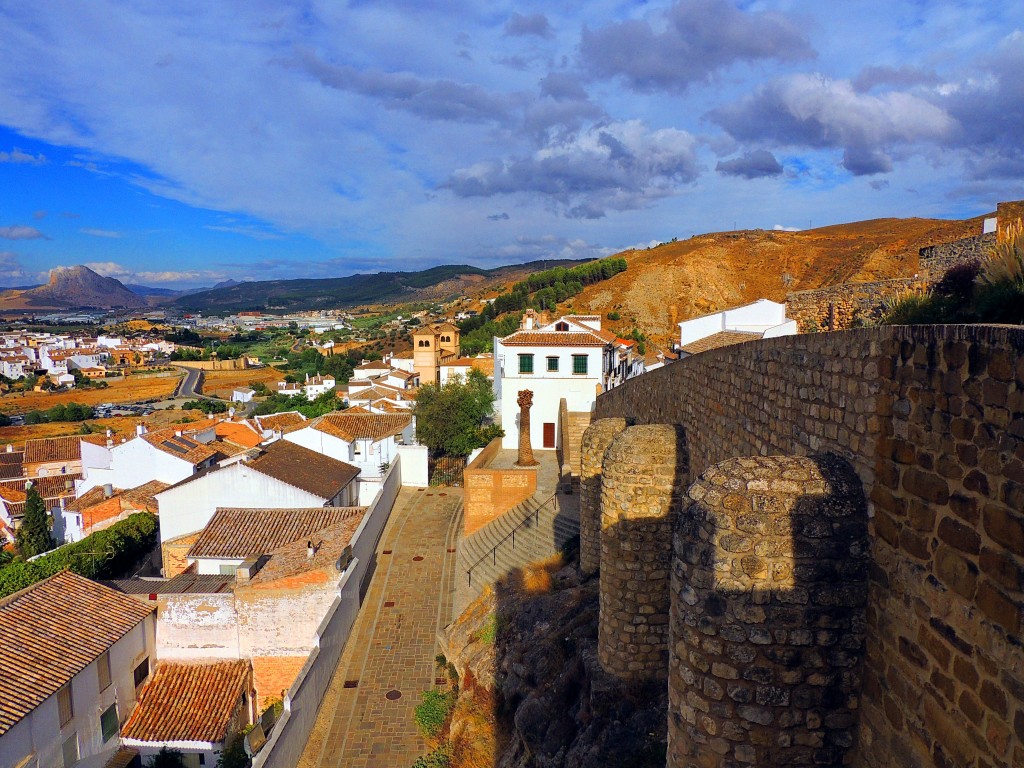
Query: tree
point(167, 758)
point(450, 418)
point(34, 534)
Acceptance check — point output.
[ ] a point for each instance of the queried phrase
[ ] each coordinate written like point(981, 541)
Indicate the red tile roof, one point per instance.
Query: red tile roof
point(53, 449)
point(179, 446)
point(188, 702)
point(241, 533)
point(354, 426)
point(305, 469)
point(553, 339)
point(718, 340)
point(238, 432)
point(52, 631)
point(282, 421)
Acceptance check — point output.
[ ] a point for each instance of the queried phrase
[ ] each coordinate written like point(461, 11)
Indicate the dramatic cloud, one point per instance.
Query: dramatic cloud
point(751, 165)
point(145, 277)
point(694, 40)
point(107, 233)
point(18, 157)
point(619, 166)
point(814, 111)
point(20, 232)
point(11, 270)
point(536, 24)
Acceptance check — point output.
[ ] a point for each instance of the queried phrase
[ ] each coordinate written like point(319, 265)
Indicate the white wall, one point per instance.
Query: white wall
point(415, 472)
point(755, 318)
point(189, 507)
point(580, 392)
point(40, 731)
point(322, 443)
point(137, 462)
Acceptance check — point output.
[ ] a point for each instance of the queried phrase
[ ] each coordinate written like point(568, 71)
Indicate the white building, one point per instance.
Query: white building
point(75, 654)
point(242, 395)
point(318, 385)
point(368, 441)
point(763, 319)
point(570, 358)
point(285, 475)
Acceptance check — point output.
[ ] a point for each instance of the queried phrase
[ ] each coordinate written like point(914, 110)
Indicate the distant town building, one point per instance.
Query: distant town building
point(432, 346)
point(762, 319)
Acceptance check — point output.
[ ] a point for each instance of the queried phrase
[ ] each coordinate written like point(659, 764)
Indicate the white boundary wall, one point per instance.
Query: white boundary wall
point(302, 701)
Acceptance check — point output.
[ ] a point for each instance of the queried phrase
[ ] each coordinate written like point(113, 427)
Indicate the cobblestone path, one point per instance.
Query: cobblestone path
point(366, 718)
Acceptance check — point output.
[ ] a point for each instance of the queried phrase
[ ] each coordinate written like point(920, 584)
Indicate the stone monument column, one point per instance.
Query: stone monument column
point(525, 402)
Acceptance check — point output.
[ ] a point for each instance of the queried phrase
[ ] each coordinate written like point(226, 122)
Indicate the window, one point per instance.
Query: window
point(69, 749)
point(142, 672)
point(526, 363)
point(553, 364)
point(103, 670)
point(108, 723)
point(227, 570)
point(65, 705)
point(579, 365)
point(561, 326)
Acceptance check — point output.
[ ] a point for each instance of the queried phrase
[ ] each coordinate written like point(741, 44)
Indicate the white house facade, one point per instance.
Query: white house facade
point(763, 319)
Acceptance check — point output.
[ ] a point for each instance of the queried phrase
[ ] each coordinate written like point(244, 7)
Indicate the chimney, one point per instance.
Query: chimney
point(528, 321)
point(310, 550)
point(231, 413)
point(177, 433)
point(110, 434)
point(108, 490)
point(140, 429)
point(10, 448)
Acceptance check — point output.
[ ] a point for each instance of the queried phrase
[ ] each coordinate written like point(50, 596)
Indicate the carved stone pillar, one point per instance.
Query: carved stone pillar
point(525, 402)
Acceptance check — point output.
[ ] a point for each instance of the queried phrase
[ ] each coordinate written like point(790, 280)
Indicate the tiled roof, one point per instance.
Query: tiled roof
point(353, 426)
point(311, 471)
point(226, 450)
point(553, 339)
point(143, 496)
point(718, 340)
point(281, 421)
point(179, 446)
point(399, 374)
point(238, 432)
point(182, 584)
point(53, 630)
point(49, 487)
point(293, 558)
point(53, 449)
point(88, 499)
point(240, 533)
point(188, 702)
point(373, 393)
point(12, 457)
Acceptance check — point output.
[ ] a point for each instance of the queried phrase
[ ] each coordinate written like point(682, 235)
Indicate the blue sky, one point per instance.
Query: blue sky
point(174, 145)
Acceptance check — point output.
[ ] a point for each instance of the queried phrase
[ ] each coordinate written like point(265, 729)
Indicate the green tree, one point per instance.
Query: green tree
point(167, 758)
point(450, 418)
point(34, 534)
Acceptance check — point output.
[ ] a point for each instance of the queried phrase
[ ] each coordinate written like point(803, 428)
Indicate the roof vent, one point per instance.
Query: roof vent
point(250, 567)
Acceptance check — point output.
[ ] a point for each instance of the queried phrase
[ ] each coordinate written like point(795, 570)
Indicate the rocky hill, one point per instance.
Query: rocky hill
point(679, 280)
point(73, 288)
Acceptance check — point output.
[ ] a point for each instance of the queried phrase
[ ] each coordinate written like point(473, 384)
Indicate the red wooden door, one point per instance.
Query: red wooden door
point(549, 435)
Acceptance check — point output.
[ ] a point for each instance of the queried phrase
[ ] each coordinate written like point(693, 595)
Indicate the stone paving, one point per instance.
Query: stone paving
point(363, 721)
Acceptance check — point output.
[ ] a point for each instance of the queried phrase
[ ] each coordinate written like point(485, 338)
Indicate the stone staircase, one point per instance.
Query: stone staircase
point(541, 526)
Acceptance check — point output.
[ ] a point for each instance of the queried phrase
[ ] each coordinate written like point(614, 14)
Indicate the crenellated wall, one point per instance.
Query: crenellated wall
point(931, 419)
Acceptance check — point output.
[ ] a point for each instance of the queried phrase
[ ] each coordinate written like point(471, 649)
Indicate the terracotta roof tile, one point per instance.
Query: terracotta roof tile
point(354, 426)
point(179, 446)
point(300, 467)
point(238, 432)
point(240, 533)
point(718, 340)
point(53, 630)
point(53, 449)
point(552, 339)
point(293, 558)
point(11, 471)
point(188, 702)
point(12, 458)
point(143, 496)
point(281, 421)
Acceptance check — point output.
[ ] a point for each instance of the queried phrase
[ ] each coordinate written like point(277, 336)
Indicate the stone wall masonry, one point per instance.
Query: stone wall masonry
point(936, 259)
point(845, 306)
point(769, 586)
point(596, 440)
point(931, 418)
point(644, 474)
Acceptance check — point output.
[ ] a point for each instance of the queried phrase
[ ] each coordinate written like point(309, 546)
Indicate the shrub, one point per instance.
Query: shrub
point(908, 308)
point(433, 711)
point(439, 758)
point(105, 554)
point(614, 316)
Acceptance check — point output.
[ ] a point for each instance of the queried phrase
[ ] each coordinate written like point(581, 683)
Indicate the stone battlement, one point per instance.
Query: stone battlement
point(773, 654)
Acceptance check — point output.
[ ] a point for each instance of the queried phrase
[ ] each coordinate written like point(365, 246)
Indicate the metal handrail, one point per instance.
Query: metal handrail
point(493, 552)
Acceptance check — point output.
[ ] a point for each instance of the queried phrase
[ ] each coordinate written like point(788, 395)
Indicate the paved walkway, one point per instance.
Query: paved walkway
point(394, 641)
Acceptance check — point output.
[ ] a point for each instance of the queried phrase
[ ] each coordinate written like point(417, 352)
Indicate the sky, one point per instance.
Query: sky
point(180, 144)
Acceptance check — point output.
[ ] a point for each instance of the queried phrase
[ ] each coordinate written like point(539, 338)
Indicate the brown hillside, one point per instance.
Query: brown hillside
point(706, 273)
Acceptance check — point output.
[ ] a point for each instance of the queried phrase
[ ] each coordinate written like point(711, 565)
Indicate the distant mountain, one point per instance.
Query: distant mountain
point(74, 288)
point(355, 290)
point(145, 291)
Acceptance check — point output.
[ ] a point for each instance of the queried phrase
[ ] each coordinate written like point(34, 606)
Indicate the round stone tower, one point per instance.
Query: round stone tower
point(596, 440)
point(769, 587)
point(644, 474)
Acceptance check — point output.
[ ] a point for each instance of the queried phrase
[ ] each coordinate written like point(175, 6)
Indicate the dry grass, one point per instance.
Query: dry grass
point(1005, 262)
point(220, 383)
point(129, 390)
point(120, 425)
point(536, 578)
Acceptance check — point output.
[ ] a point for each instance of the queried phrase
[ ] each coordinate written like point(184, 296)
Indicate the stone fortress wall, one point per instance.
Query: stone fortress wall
point(774, 656)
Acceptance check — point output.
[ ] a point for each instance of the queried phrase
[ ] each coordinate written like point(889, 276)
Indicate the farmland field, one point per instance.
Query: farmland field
point(131, 389)
point(220, 383)
point(119, 425)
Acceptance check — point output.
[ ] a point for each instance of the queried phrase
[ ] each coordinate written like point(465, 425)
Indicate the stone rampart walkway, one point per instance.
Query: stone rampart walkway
point(366, 718)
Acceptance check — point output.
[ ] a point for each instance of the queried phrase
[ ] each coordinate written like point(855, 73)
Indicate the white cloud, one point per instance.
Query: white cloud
point(20, 232)
point(18, 157)
point(107, 233)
